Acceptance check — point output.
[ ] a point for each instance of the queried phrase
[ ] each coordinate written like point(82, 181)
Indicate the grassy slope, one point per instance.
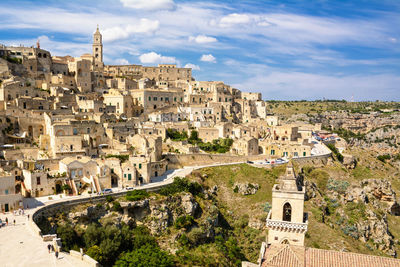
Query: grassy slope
point(288, 108)
point(320, 235)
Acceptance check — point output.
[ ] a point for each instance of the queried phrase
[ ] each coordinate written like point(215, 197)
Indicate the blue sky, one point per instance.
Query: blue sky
point(288, 50)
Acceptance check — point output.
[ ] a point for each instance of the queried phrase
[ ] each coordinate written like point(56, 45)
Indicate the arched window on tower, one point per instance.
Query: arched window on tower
point(287, 212)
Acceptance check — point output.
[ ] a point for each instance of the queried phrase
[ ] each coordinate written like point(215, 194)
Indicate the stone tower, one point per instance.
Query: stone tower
point(98, 48)
point(287, 222)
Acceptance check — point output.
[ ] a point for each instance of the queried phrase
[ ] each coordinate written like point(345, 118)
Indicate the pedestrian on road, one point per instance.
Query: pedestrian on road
point(56, 254)
point(14, 222)
point(49, 247)
point(28, 217)
point(6, 221)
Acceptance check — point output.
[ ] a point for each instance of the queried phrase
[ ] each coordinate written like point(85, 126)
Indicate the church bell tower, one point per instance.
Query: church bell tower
point(98, 48)
point(286, 222)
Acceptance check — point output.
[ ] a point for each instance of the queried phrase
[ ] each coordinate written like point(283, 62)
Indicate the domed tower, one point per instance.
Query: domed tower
point(286, 222)
point(98, 48)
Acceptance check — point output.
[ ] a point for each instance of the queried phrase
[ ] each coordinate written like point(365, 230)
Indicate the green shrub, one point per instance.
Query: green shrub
point(68, 236)
point(95, 253)
point(337, 185)
point(116, 207)
point(384, 158)
point(136, 195)
point(267, 206)
point(176, 135)
point(184, 222)
point(335, 152)
point(146, 256)
point(181, 185)
point(122, 158)
point(109, 199)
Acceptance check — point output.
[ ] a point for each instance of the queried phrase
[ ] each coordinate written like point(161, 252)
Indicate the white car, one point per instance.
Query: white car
point(107, 191)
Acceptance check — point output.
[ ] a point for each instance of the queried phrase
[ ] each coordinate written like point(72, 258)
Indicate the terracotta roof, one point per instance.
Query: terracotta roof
point(331, 258)
point(284, 255)
point(297, 256)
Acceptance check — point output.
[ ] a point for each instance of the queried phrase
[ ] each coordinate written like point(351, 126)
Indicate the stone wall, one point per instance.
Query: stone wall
point(179, 160)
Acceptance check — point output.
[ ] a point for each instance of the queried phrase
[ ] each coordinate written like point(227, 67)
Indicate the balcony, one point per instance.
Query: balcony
point(287, 226)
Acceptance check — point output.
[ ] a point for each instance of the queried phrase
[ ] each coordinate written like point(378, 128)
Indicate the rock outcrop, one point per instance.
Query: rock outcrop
point(245, 188)
point(378, 192)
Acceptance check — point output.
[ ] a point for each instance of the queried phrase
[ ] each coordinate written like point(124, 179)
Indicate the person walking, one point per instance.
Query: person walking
point(28, 217)
point(49, 247)
point(56, 254)
point(6, 221)
point(14, 222)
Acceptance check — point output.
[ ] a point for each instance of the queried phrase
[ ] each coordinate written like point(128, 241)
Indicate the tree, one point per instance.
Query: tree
point(95, 253)
point(68, 236)
point(93, 235)
point(146, 256)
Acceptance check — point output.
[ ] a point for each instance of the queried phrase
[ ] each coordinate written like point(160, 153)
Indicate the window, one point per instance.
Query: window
point(272, 152)
point(129, 177)
point(287, 212)
point(75, 131)
point(6, 191)
point(38, 180)
point(140, 165)
point(149, 98)
point(304, 154)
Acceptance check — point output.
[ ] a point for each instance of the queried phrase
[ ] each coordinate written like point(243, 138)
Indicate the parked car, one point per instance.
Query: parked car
point(129, 188)
point(251, 162)
point(107, 191)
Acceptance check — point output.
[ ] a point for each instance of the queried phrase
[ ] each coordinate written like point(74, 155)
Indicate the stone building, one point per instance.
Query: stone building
point(9, 199)
point(98, 49)
point(287, 224)
point(246, 146)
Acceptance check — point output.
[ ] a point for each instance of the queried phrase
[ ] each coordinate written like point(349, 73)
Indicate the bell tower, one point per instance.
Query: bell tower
point(286, 222)
point(98, 48)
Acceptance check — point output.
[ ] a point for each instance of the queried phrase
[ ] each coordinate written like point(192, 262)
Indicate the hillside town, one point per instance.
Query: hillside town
point(75, 126)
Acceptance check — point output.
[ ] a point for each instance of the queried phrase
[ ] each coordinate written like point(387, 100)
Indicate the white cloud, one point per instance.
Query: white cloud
point(153, 57)
point(208, 58)
point(121, 61)
point(148, 4)
point(286, 85)
point(192, 66)
point(118, 33)
point(233, 19)
point(202, 39)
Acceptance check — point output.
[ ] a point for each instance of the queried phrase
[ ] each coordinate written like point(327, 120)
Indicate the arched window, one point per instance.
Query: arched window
point(287, 212)
point(285, 241)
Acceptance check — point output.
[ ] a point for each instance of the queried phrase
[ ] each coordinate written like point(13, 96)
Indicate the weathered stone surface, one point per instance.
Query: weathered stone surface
point(160, 218)
point(189, 204)
point(246, 188)
point(376, 228)
point(311, 190)
point(349, 161)
point(256, 224)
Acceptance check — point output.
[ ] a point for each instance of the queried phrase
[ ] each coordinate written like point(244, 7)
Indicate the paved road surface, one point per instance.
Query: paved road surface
point(20, 246)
